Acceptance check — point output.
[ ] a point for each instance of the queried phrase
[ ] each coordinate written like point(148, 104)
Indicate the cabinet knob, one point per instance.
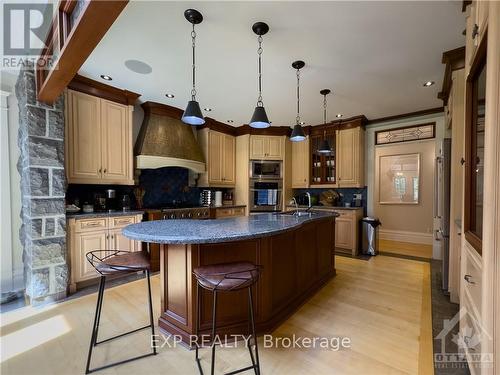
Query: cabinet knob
point(468, 279)
point(100, 170)
point(462, 161)
point(105, 170)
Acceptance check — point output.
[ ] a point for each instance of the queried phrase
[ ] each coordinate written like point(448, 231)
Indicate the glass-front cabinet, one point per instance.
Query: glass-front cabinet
point(323, 165)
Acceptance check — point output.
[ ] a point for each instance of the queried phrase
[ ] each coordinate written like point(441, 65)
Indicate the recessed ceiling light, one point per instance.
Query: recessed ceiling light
point(106, 78)
point(338, 115)
point(230, 121)
point(170, 96)
point(302, 123)
point(207, 109)
point(429, 83)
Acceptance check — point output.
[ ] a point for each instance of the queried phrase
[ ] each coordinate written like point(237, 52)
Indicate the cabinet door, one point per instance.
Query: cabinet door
point(117, 142)
point(273, 149)
point(257, 147)
point(85, 242)
point(117, 241)
point(215, 145)
point(228, 160)
point(344, 233)
point(348, 157)
point(300, 164)
point(84, 144)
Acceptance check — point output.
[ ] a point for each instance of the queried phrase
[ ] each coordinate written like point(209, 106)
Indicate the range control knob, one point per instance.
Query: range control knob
point(172, 216)
point(190, 214)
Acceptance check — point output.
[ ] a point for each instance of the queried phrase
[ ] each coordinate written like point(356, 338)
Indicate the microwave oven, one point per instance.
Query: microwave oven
point(265, 169)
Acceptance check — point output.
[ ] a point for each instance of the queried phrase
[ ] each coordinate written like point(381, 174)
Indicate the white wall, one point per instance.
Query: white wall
point(12, 278)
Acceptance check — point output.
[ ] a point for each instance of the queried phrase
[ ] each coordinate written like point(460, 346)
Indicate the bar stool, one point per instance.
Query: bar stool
point(117, 262)
point(227, 277)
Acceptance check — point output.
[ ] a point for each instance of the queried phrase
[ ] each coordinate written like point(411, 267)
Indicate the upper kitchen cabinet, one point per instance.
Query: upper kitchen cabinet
point(300, 164)
point(264, 147)
point(476, 25)
point(99, 134)
point(343, 167)
point(350, 157)
point(220, 153)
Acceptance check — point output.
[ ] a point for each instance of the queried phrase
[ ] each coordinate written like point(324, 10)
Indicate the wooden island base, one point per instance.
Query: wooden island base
point(296, 264)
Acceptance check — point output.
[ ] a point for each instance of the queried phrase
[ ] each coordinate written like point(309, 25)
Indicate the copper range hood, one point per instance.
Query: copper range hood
point(165, 141)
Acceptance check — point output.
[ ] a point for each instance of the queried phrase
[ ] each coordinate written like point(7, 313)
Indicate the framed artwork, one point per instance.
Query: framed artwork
point(399, 179)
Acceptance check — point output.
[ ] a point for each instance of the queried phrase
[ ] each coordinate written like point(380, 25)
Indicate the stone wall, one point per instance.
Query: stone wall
point(41, 166)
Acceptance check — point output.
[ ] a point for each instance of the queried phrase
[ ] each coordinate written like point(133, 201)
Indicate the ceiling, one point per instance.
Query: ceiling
point(374, 56)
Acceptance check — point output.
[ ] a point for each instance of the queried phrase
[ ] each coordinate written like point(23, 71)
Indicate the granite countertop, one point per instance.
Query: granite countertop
point(94, 215)
point(326, 207)
point(217, 230)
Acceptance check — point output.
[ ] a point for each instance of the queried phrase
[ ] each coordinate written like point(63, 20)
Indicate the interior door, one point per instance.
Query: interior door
point(84, 138)
point(117, 143)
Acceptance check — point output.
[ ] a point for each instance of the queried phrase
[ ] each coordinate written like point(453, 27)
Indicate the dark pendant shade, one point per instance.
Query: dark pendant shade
point(259, 119)
point(325, 148)
point(192, 115)
point(297, 134)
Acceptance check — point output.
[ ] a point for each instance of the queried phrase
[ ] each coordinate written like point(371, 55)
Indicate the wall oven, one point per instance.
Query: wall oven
point(265, 195)
point(264, 169)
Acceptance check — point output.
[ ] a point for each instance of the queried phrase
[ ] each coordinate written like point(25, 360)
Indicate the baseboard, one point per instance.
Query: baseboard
point(404, 236)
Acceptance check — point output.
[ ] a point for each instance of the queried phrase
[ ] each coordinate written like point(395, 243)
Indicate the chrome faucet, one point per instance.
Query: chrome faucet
point(309, 201)
point(294, 200)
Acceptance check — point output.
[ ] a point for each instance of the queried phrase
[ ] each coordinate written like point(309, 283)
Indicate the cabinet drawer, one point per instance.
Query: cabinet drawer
point(85, 225)
point(239, 211)
point(121, 221)
point(223, 212)
point(471, 279)
point(345, 213)
point(470, 332)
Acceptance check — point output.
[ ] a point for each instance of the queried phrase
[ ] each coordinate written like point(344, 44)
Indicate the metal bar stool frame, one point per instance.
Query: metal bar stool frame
point(95, 260)
point(231, 276)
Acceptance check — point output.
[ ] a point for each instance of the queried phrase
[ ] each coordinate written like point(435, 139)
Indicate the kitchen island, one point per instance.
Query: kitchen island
point(296, 252)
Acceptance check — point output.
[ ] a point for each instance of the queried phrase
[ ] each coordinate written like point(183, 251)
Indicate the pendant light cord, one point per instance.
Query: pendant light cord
point(193, 39)
point(297, 119)
point(259, 52)
point(324, 109)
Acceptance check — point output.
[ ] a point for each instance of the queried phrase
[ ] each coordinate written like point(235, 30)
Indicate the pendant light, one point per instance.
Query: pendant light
point(259, 119)
point(192, 115)
point(297, 132)
point(324, 147)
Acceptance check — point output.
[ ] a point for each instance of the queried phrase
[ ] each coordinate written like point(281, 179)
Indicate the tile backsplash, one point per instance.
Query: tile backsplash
point(347, 194)
point(164, 186)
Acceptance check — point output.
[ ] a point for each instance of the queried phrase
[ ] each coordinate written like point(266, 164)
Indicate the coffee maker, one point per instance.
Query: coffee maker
point(111, 201)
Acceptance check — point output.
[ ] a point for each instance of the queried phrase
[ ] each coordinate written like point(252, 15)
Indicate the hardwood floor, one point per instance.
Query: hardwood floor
point(382, 305)
point(405, 248)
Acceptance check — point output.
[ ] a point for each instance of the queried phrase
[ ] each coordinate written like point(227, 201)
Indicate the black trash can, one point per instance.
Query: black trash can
point(369, 235)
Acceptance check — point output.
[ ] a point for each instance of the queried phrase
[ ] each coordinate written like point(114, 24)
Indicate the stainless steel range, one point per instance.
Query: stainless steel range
point(185, 213)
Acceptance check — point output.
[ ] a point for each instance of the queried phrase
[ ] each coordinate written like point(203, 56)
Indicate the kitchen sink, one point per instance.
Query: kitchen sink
point(298, 213)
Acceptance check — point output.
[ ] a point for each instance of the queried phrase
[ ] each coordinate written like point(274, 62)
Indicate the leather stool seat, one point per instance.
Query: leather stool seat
point(227, 276)
point(122, 262)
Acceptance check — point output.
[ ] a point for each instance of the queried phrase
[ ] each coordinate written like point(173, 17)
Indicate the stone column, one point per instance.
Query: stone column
point(43, 185)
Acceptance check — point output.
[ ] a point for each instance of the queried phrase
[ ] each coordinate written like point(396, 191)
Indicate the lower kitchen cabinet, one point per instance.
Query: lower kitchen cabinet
point(102, 233)
point(222, 212)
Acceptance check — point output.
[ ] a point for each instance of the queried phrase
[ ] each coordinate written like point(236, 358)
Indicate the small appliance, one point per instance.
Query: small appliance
point(111, 203)
point(265, 169)
point(206, 198)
